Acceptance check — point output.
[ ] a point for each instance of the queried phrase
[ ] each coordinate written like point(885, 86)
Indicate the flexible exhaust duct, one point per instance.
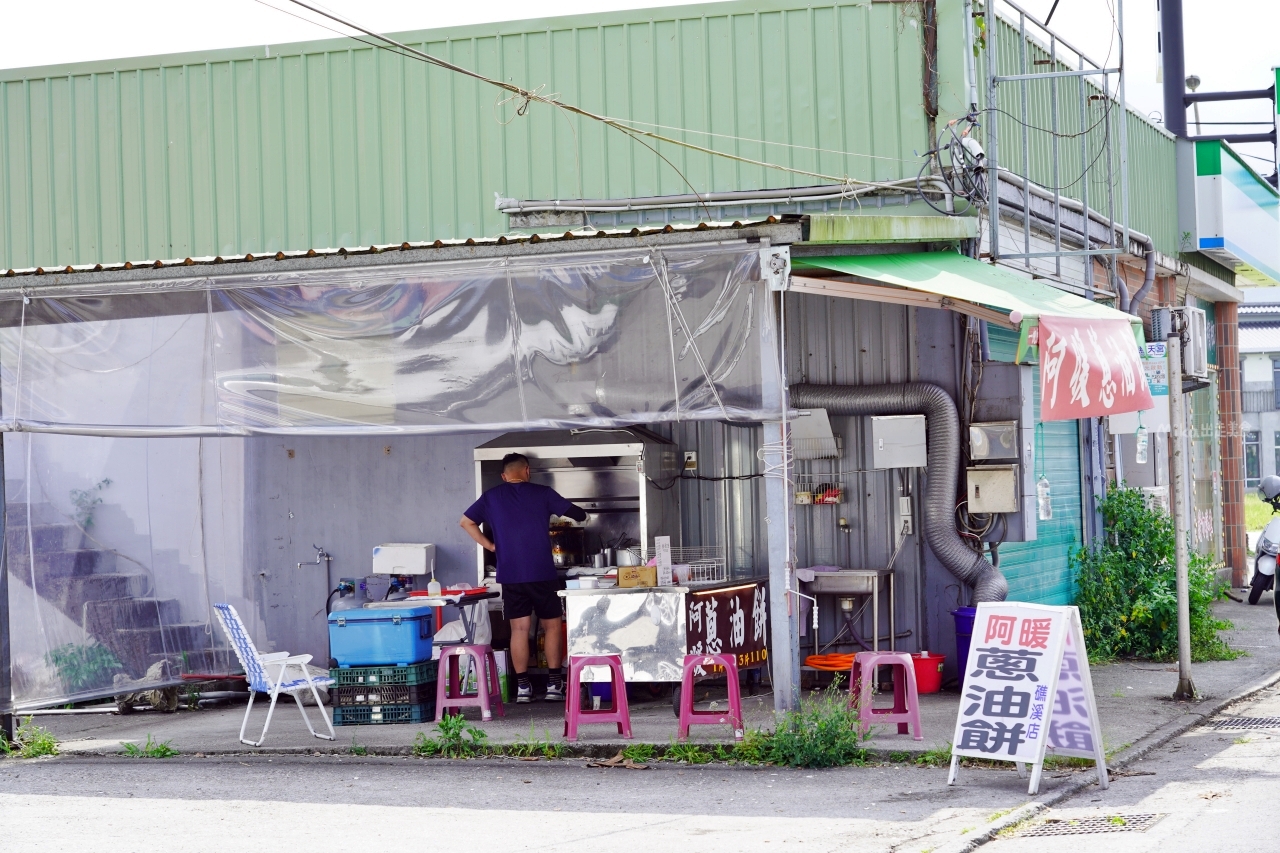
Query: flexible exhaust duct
point(921, 398)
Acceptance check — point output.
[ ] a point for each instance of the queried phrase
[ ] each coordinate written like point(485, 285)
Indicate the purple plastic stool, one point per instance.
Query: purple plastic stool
point(449, 693)
point(906, 703)
point(573, 713)
point(690, 717)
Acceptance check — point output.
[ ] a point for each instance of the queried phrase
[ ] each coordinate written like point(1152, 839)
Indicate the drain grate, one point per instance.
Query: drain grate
point(1093, 825)
point(1232, 723)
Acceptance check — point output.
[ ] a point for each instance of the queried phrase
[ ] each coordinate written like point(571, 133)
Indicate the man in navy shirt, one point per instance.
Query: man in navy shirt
point(519, 514)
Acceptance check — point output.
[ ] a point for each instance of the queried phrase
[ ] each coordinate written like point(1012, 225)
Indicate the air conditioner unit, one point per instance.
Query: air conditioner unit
point(1193, 326)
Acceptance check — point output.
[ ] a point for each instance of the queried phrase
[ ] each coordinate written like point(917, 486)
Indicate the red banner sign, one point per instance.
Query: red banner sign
point(1089, 368)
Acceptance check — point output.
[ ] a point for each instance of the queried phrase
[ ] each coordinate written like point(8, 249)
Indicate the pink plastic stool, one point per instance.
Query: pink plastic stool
point(690, 717)
point(449, 693)
point(906, 703)
point(573, 713)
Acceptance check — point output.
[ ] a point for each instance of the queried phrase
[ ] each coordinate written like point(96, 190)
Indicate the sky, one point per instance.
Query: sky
point(1230, 44)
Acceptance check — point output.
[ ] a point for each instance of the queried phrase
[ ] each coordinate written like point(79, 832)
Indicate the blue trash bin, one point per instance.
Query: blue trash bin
point(964, 617)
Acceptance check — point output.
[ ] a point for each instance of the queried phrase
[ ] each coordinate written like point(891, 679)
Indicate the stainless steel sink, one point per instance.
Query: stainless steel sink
point(848, 582)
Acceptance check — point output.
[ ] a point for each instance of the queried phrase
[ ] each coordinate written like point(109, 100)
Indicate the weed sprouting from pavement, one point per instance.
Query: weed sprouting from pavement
point(150, 749)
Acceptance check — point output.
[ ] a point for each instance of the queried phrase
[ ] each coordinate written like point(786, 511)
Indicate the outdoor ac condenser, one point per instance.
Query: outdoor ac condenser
point(1193, 325)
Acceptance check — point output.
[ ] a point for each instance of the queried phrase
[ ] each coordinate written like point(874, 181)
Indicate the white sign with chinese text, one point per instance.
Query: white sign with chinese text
point(1027, 690)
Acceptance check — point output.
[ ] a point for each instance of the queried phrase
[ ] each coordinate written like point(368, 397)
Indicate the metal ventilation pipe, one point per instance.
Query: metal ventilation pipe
point(920, 398)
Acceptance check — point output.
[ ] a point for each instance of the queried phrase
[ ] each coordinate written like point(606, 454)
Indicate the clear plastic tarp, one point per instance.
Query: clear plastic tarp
point(126, 407)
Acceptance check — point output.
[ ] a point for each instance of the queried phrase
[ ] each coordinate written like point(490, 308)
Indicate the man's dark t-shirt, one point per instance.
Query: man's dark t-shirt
point(519, 514)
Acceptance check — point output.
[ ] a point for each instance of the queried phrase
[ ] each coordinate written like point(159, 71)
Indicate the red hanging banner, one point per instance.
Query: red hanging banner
point(1089, 368)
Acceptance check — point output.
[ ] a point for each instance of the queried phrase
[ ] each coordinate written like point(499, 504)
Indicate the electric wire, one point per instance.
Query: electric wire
point(525, 97)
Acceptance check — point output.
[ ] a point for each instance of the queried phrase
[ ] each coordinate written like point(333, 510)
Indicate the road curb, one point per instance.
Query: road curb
point(1145, 746)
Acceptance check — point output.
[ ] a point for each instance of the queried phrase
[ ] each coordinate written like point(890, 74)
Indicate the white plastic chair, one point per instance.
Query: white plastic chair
point(255, 667)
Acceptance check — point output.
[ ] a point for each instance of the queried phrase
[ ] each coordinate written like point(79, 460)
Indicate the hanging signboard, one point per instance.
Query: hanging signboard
point(1027, 691)
point(1089, 368)
point(1155, 365)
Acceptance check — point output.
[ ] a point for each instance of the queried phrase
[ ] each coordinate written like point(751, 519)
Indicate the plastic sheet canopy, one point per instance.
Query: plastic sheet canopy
point(597, 339)
point(126, 409)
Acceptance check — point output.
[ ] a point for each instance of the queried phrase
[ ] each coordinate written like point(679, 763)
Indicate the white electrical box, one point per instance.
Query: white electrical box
point(1192, 325)
point(993, 488)
point(896, 441)
point(404, 558)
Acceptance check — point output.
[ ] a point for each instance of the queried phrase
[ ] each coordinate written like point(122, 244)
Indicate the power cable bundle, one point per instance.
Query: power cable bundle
point(966, 177)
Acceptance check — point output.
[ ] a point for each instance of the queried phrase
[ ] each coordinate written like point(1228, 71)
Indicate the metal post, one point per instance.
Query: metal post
point(1057, 171)
point(1026, 144)
point(1175, 72)
point(1124, 132)
point(784, 626)
point(1177, 440)
point(970, 65)
point(993, 170)
point(7, 720)
point(1084, 183)
point(1111, 185)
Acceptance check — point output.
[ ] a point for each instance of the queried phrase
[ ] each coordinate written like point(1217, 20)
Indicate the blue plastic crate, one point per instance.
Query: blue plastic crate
point(416, 673)
point(381, 715)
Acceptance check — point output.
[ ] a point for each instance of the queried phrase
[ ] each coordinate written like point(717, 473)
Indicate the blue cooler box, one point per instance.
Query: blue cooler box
point(381, 636)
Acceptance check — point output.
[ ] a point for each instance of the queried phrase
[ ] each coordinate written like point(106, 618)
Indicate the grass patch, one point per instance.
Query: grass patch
point(685, 753)
point(455, 738)
point(1256, 513)
point(939, 756)
point(1126, 588)
point(150, 749)
point(639, 752)
point(534, 746)
point(899, 757)
point(30, 741)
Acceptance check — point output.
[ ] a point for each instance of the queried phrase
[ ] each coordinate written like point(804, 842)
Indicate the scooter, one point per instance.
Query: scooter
point(1264, 564)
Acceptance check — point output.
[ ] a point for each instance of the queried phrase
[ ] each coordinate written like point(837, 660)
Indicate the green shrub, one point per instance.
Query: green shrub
point(456, 738)
point(1127, 588)
point(83, 666)
point(30, 741)
point(823, 733)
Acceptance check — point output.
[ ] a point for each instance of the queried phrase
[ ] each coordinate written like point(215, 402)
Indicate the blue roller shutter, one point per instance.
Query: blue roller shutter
point(1040, 571)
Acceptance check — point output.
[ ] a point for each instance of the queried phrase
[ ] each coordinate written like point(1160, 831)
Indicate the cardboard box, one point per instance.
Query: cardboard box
point(633, 576)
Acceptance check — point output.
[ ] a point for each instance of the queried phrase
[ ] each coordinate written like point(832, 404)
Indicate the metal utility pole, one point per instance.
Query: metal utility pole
point(1174, 67)
point(1178, 457)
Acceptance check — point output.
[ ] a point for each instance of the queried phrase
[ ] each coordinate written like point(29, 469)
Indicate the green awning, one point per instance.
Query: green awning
point(947, 280)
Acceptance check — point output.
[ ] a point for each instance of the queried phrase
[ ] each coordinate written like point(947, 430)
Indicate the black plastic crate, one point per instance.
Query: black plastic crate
point(384, 694)
point(376, 715)
point(414, 673)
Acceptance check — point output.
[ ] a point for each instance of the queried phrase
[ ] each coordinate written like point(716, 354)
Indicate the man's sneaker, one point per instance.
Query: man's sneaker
point(524, 694)
point(555, 692)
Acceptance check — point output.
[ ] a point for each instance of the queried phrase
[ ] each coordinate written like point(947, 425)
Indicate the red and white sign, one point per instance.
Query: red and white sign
point(1089, 368)
point(1027, 690)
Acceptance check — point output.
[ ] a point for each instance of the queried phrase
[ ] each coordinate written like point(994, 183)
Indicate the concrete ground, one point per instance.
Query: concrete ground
point(1133, 701)
point(1212, 790)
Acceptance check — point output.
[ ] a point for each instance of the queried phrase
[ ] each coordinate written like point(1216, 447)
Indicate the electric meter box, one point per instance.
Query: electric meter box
point(896, 441)
point(994, 488)
point(404, 558)
point(994, 441)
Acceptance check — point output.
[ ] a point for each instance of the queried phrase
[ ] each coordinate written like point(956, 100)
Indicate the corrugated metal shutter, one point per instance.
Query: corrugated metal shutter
point(1040, 571)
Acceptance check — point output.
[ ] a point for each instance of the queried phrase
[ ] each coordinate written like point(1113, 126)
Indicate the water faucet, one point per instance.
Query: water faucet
point(321, 558)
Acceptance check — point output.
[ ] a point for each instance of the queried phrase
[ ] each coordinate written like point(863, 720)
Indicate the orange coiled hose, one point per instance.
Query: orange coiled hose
point(830, 663)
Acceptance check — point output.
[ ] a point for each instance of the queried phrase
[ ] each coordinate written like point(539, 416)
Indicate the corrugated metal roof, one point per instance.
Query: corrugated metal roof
point(505, 240)
point(334, 143)
point(1261, 338)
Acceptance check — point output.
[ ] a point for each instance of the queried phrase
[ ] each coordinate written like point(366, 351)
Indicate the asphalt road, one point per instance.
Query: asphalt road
point(1208, 788)
point(1211, 790)
point(336, 803)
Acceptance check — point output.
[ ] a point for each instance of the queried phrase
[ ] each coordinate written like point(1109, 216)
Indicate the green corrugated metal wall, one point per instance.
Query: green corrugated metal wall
point(1040, 571)
point(1153, 190)
point(333, 143)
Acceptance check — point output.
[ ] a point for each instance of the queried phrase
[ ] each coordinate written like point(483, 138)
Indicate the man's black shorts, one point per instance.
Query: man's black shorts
point(522, 599)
